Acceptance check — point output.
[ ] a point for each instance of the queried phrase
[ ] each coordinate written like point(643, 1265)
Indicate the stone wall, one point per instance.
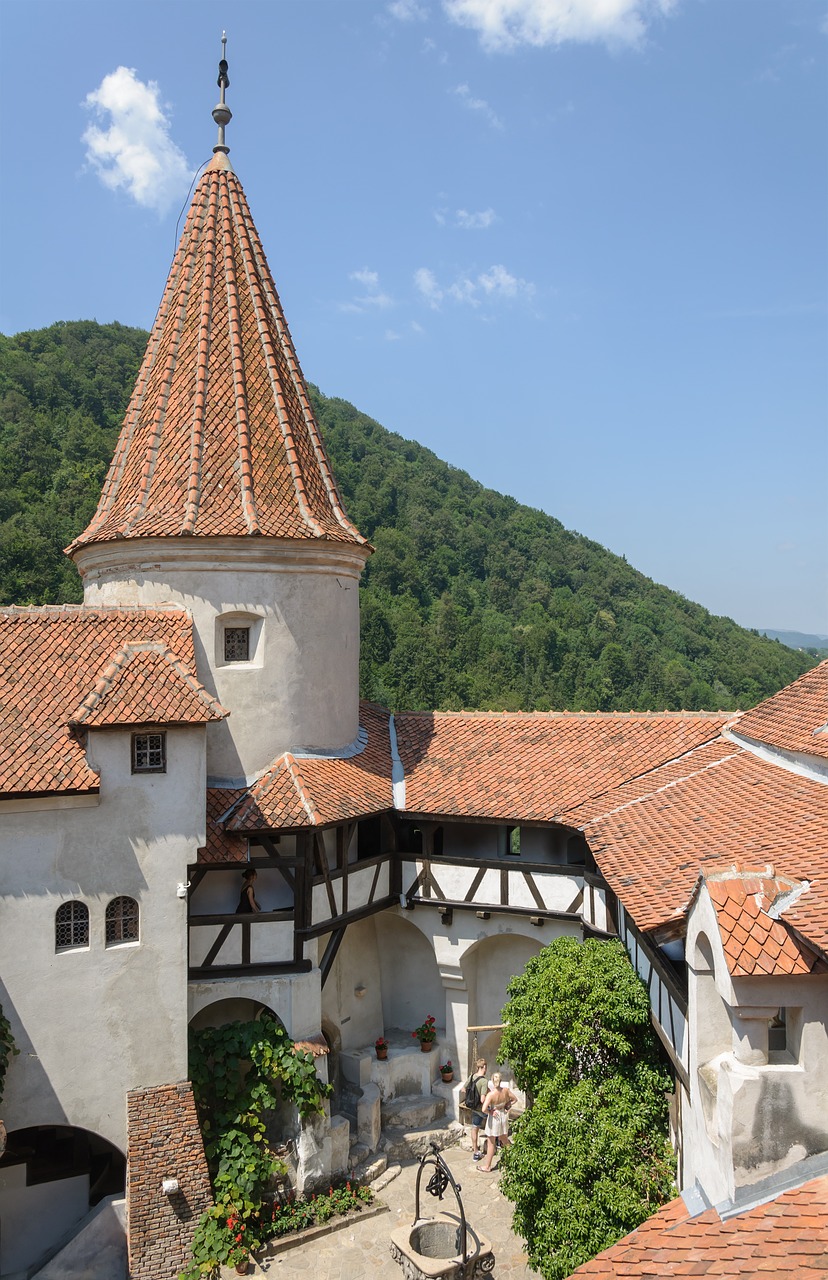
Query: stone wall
point(163, 1141)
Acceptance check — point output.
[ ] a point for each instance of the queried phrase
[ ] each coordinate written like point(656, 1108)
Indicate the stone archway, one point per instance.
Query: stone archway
point(487, 968)
point(410, 976)
point(234, 1009)
point(52, 1176)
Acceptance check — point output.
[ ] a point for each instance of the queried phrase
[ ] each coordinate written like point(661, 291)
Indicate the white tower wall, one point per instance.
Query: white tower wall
point(300, 687)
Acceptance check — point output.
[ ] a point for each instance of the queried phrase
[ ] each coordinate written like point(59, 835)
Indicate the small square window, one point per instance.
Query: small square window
point(236, 644)
point(149, 753)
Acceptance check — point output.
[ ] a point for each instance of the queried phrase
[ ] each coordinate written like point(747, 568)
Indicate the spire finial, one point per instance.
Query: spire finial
point(221, 112)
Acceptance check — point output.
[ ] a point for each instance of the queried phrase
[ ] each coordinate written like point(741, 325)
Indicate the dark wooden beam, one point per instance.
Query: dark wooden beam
point(494, 908)
point(316, 931)
point(250, 970)
point(329, 954)
point(231, 917)
point(219, 942)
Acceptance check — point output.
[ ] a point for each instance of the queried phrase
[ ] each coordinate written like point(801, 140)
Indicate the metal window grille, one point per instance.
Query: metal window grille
point(71, 926)
point(149, 752)
point(121, 921)
point(236, 644)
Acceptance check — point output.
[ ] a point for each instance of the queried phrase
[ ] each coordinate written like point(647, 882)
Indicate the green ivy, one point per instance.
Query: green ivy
point(241, 1073)
point(7, 1049)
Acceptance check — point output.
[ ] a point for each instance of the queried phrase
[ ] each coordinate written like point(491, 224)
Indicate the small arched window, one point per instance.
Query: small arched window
point(71, 926)
point(121, 921)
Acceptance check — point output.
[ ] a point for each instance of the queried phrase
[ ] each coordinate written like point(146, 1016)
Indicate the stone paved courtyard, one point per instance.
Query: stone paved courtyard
point(361, 1248)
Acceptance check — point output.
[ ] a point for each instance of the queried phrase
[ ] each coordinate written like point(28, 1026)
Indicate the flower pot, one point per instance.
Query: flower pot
point(382, 1054)
point(242, 1268)
point(427, 1045)
point(447, 1077)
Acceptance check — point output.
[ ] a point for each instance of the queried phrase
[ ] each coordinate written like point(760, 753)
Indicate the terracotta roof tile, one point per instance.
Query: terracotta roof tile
point(795, 719)
point(219, 437)
point(753, 942)
point(733, 807)
point(314, 791)
point(146, 684)
point(786, 1237)
point(535, 766)
point(50, 660)
point(222, 846)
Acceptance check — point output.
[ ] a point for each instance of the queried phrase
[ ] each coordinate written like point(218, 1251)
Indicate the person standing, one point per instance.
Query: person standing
point(496, 1106)
point(475, 1089)
point(247, 898)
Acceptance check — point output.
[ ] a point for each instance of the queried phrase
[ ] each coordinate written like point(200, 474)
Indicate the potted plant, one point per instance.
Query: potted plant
point(426, 1034)
point(381, 1046)
point(447, 1072)
point(240, 1259)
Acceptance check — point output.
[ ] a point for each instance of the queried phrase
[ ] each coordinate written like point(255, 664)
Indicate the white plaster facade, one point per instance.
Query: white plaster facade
point(80, 1017)
point(750, 1112)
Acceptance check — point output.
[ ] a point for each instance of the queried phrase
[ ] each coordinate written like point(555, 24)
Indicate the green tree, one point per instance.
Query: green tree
point(590, 1158)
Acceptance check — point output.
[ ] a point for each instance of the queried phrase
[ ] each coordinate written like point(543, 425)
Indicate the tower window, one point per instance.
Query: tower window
point(149, 753)
point(121, 921)
point(71, 926)
point(236, 644)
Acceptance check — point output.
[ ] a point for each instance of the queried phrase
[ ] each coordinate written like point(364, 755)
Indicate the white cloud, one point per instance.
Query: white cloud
point(493, 285)
point(475, 221)
point(465, 95)
point(131, 148)
point(372, 296)
point(426, 284)
point(505, 24)
point(407, 11)
point(368, 279)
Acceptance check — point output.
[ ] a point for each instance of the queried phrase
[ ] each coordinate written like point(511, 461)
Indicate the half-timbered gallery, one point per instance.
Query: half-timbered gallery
point(199, 717)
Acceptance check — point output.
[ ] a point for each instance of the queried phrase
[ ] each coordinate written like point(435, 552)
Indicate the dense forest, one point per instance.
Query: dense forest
point(471, 599)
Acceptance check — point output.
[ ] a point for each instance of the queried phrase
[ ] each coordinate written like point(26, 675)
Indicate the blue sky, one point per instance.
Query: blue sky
point(576, 247)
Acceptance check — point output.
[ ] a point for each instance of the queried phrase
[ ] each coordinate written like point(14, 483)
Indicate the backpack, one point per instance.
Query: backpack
point(472, 1098)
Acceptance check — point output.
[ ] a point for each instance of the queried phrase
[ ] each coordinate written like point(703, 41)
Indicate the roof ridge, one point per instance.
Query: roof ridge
point(118, 664)
point(301, 787)
point(674, 782)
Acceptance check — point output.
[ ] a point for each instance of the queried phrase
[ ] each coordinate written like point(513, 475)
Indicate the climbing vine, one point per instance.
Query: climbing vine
point(7, 1049)
point(241, 1073)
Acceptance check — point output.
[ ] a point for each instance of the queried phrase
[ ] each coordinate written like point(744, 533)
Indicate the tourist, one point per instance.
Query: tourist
point(496, 1106)
point(475, 1089)
point(247, 899)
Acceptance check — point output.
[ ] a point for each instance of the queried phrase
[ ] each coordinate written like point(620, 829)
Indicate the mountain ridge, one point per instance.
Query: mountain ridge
point(471, 598)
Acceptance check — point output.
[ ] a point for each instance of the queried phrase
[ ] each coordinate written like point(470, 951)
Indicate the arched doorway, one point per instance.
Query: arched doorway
point(410, 979)
point(487, 968)
point(52, 1175)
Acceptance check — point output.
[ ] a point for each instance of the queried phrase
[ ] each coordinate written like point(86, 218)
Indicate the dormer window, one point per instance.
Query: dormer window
point(149, 753)
point(236, 644)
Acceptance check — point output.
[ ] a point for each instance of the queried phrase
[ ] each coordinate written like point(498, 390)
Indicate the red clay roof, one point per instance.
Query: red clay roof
point(219, 437)
point(795, 719)
point(221, 845)
point(316, 791)
point(50, 660)
point(753, 942)
point(535, 766)
point(731, 806)
point(146, 684)
point(786, 1237)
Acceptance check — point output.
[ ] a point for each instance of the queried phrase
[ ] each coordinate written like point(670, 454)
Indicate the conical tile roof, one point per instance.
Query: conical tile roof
point(219, 438)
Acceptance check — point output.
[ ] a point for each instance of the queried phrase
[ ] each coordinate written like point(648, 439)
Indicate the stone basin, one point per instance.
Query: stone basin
point(430, 1250)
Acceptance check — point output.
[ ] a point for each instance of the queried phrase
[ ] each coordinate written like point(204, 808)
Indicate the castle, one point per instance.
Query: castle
point(199, 714)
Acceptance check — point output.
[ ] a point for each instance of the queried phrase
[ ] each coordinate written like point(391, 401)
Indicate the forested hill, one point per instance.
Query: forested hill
point(471, 599)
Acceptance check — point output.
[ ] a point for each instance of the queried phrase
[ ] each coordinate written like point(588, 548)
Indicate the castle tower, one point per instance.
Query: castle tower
point(220, 498)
